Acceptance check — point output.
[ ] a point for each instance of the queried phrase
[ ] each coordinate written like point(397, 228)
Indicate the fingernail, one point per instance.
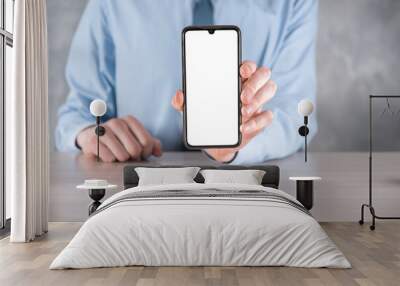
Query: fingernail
point(247, 128)
point(246, 94)
point(249, 110)
point(245, 69)
point(243, 96)
point(271, 115)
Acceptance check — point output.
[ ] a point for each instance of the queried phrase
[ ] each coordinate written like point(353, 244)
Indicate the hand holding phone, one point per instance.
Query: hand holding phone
point(257, 89)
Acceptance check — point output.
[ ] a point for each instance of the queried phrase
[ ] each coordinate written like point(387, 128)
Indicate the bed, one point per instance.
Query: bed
point(199, 224)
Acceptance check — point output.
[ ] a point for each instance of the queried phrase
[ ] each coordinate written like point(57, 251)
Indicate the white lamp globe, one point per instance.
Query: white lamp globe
point(98, 107)
point(305, 107)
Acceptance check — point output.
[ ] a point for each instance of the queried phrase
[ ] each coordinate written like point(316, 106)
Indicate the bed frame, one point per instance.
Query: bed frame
point(270, 179)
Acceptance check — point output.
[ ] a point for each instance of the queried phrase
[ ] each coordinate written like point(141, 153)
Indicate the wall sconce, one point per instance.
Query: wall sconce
point(305, 108)
point(98, 108)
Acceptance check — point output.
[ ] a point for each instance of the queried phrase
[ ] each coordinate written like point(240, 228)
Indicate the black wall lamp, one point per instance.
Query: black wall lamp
point(98, 108)
point(305, 108)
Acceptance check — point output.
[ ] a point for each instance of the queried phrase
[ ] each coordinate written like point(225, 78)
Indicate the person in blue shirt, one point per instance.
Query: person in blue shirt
point(128, 53)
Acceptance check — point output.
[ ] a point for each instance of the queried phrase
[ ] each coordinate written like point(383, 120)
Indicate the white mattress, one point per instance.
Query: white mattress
point(200, 231)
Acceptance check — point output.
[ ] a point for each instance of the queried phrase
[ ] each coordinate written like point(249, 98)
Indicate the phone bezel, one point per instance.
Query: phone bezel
point(239, 59)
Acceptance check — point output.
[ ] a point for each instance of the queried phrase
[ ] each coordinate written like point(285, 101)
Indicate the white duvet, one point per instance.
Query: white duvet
point(200, 231)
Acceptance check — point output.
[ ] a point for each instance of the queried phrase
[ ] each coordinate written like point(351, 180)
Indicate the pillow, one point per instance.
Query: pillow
point(248, 177)
point(165, 176)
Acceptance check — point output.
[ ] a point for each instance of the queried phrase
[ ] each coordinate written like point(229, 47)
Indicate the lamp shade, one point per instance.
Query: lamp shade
point(305, 107)
point(98, 107)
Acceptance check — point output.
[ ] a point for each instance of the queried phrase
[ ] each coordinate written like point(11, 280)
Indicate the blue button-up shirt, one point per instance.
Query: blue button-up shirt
point(128, 53)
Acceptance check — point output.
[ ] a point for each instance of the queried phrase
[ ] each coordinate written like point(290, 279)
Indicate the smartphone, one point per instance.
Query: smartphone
point(211, 57)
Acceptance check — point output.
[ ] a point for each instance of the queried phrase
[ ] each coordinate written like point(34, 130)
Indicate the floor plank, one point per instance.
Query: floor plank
point(375, 257)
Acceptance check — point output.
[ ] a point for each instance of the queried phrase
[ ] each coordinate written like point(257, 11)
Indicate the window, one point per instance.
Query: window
point(6, 44)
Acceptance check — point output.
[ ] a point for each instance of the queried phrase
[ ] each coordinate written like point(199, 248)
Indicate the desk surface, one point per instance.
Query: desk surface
point(344, 184)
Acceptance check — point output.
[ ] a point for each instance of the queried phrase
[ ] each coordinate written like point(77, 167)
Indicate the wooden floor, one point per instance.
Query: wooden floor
point(375, 257)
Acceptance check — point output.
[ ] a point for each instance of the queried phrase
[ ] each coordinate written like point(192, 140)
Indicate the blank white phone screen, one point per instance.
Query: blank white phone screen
point(212, 88)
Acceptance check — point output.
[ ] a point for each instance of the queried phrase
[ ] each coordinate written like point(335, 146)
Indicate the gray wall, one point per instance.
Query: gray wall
point(358, 55)
point(62, 20)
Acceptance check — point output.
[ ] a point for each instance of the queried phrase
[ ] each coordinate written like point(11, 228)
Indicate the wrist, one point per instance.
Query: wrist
point(221, 156)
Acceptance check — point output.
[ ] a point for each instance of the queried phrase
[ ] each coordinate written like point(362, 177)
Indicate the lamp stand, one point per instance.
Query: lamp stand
point(100, 131)
point(305, 138)
point(303, 131)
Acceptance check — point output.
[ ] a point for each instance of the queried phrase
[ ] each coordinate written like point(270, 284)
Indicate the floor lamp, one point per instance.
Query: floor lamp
point(370, 201)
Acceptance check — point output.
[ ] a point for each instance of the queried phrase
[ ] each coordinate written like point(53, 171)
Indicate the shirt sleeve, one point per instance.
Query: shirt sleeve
point(90, 74)
point(293, 69)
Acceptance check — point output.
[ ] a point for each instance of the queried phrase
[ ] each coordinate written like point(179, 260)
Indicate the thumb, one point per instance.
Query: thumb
point(177, 101)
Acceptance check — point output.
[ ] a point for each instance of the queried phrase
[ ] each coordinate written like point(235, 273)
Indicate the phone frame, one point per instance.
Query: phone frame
point(239, 59)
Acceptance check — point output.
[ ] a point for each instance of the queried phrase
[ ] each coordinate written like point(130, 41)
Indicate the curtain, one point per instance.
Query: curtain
point(27, 142)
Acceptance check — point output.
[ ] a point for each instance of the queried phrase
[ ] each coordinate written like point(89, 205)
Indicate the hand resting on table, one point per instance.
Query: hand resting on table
point(125, 139)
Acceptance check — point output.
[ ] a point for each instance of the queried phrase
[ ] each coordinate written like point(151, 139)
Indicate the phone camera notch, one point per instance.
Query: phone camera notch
point(211, 31)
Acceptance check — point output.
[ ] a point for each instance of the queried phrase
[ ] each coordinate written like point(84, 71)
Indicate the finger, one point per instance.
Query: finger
point(258, 122)
point(157, 149)
point(142, 135)
point(115, 146)
point(254, 83)
point(247, 118)
point(177, 101)
point(258, 111)
point(125, 136)
point(264, 94)
point(247, 69)
point(249, 136)
point(105, 153)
